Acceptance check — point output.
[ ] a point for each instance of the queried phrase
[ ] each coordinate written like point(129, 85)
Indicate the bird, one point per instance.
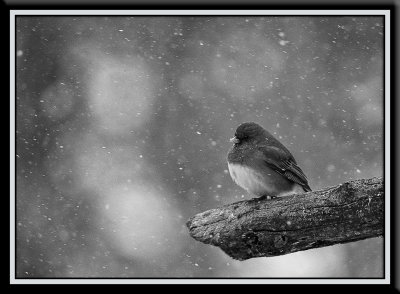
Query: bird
point(262, 165)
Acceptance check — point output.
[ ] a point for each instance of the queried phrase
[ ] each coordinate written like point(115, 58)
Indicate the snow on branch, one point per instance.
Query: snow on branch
point(260, 227)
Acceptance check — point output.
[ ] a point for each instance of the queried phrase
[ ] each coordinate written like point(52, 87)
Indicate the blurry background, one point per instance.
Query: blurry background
point(123, 126)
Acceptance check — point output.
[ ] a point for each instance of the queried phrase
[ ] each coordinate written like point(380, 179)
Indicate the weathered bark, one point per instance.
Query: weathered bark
point(260, 227)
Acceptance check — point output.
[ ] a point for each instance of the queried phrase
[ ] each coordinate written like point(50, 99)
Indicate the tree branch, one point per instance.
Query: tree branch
point(260, 227)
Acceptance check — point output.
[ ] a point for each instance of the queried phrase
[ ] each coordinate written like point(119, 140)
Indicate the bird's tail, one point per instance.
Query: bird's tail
point(306, 188)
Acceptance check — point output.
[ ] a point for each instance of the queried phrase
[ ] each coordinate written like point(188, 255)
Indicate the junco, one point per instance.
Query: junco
point(259, 163)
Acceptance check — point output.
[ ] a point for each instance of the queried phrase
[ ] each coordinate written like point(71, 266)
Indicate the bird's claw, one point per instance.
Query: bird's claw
point(267, 197)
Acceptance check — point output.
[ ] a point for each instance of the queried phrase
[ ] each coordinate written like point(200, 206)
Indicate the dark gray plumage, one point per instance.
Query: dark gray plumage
point(259, 163)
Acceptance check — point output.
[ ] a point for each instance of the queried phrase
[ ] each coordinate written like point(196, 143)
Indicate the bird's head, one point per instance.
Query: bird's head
point(248, 131)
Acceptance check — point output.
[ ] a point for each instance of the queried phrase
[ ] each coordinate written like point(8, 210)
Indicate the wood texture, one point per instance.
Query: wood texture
point(260, 227)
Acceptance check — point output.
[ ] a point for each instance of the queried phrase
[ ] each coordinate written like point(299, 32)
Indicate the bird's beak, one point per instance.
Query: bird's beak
point(234, 140)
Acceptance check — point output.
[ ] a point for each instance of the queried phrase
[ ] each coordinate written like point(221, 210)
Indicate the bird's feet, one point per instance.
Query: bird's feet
point(267, 197)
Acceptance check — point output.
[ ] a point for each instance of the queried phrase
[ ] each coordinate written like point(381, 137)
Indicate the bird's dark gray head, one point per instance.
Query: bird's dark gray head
point(248, 131)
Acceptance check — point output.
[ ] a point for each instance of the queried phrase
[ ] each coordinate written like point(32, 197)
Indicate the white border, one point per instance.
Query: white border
point(386, 280)
point(200, 12)
point(12, 150)
point(387, 160)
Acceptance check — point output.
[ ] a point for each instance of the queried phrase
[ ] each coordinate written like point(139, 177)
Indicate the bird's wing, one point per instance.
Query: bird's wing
point(285, 164)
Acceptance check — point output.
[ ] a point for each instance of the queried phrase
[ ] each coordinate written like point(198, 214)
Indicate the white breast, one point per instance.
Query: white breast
point(248, 179)
point(269, 183)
